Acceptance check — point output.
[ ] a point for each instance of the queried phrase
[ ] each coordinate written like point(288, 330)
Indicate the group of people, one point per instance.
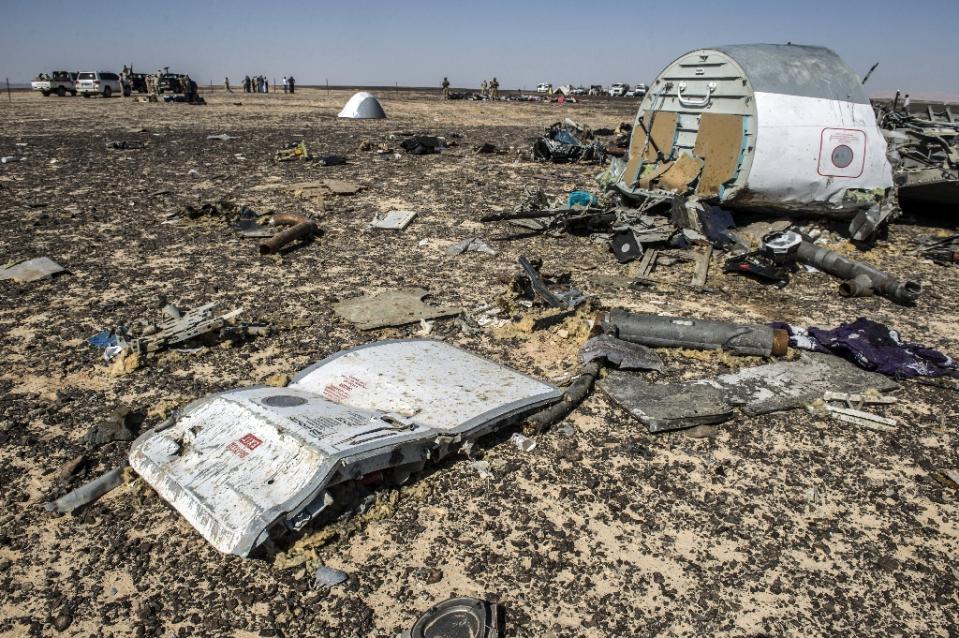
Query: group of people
point(259, 84)
point(490, 89)
point(487, 89)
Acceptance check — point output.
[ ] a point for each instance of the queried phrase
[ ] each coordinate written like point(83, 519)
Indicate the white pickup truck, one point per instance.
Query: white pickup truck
point(59, 82)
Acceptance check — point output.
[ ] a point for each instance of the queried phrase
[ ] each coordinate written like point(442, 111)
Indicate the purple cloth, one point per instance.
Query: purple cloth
point(873, 346)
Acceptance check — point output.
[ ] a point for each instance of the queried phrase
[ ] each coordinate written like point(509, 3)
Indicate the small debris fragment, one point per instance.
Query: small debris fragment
point(622, 354)
point(522, 442)
point(393, 220)
point(113, 429)
point(471, 244)
point(326, 577)
point(483, 469)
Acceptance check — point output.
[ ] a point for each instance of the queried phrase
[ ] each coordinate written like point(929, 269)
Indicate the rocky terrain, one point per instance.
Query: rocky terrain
point(768, 526)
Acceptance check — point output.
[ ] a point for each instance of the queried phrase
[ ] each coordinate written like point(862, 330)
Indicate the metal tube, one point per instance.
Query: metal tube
point(88, 492)
point(300, 228)
point(859, 278)
point(679, 332)
point(289, 219)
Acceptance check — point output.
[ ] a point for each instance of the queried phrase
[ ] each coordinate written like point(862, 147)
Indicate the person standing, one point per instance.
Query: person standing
point(905, 103)
point(494, 89)
point(483, 88)
point(226, 83)
point(266, 85)
point(446, 88)
point(292, 83)
point(186, 87)
point(286, 86)
point(151, 81)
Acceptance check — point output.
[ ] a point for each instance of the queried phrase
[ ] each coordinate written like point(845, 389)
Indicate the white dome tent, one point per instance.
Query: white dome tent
point(363, 106)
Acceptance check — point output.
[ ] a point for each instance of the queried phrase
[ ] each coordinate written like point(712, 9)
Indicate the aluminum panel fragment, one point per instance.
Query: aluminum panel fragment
point(783, 385)
point(243, 464)
point(31, 270)
point(799, 131)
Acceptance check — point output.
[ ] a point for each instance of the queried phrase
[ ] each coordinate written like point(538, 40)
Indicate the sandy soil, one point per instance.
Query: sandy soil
point(776, 525)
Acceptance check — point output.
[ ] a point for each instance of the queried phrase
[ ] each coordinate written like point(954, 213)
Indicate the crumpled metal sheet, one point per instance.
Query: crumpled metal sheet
point(784, 385)
point(31, 270)
point(391, 308)
point(622, 354)
point(468, 245)
point(242, 464)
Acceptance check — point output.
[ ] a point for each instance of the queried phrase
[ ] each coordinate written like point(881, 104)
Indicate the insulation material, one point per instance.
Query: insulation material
point(718, 144)
point(646, 181)
point(246, 464)
point(663, 132)
point(681, 174)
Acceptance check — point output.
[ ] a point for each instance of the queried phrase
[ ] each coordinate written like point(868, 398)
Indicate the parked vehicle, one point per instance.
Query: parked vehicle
point(59, 82)
point(579, 90)
point(171, 83)
point(618, 89)
point(544, 87)
point(637, 91)
point(596, 89)
point(137, 83)
point(102, 83)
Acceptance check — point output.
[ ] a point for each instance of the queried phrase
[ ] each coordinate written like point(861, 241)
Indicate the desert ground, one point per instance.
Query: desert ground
point(779, 525)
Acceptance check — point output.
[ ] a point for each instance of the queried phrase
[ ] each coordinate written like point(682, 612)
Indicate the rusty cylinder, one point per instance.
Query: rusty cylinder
point(300, 228)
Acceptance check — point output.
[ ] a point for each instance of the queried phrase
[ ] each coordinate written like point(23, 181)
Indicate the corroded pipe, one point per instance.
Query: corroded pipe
point(859, 279)
point(299, 228)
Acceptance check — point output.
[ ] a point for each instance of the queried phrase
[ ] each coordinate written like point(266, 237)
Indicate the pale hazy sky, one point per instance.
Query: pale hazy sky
point(379, 42)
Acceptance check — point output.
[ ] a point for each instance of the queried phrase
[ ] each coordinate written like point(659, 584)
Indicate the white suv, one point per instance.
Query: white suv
point(100, 82)
point(543, 87)
point(618, 89)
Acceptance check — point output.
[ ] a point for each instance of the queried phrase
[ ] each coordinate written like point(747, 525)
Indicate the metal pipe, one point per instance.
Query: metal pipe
point(679, 332)
point(299, 228)
point(88, 492)
point(574, 395)
point(289, 219)
point(859, 279)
